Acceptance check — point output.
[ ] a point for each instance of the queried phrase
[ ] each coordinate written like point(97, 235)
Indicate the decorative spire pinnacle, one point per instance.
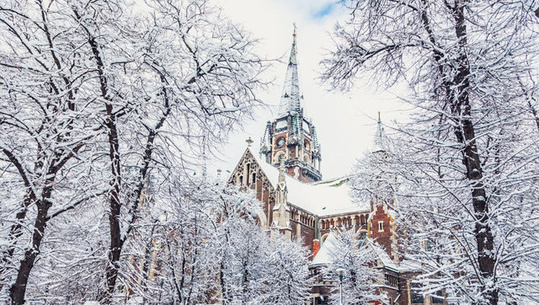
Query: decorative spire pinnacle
point(290, 100)
point(249, 142)
point(379, 137)
point(281, 172)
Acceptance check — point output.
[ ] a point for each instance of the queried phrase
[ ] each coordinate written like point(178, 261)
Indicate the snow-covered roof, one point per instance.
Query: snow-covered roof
point(323, 257)
point(407, 265)
point(384, 260)
point(323, 198)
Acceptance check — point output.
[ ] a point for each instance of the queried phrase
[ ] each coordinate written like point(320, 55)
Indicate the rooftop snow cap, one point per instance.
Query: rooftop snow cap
point(290, 99)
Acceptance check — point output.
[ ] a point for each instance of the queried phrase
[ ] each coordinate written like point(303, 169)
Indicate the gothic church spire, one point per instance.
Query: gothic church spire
point(290, 99)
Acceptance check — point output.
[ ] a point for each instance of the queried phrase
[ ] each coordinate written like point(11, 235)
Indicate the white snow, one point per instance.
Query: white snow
point(323, 256)
point(321, 198)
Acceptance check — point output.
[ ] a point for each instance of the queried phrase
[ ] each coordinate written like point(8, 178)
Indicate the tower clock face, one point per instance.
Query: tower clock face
point(280, 142)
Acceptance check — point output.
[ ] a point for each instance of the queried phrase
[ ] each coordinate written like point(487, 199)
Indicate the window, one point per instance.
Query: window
point(417, 295)
point(362, 237)
point(380, 226)
point(438, 297)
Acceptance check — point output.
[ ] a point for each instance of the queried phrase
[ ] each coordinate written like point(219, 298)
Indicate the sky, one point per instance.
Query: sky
point(345, 121)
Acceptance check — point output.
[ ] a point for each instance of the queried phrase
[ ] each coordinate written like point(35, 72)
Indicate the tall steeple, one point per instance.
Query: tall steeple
point(291, 97)
point(290, 140)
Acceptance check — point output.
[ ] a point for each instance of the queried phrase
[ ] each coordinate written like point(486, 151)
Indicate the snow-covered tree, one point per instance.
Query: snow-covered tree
point(47, 120)
point(255, 269)
point(209, 249)
point(357, 258)
point(469, 166)
point(95, 96)
point(194, 75)
point(284, 272)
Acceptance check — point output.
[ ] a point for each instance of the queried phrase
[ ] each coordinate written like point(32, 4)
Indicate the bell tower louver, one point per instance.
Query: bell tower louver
point(291, 140)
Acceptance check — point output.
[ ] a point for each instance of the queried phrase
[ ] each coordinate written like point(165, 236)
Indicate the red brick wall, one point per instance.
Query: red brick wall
point(383, 238)
point(259, 190)
point(307, 234)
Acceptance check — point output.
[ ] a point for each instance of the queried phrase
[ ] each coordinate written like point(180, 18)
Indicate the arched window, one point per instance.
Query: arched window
point(279, 157)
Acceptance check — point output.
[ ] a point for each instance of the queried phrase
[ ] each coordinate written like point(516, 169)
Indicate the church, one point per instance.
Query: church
point(285, 176)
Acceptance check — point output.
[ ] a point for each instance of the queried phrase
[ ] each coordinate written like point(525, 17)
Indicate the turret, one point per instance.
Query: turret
point(281, 210)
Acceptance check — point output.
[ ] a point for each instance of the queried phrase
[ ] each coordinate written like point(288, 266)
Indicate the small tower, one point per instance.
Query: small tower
point(291, 139)
point(381, 224)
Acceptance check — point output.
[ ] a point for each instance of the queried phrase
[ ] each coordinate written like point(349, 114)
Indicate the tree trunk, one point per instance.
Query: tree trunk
point(15, 231)
point(14, 234)
point(456, 90)
point(465, 133)
point(18, 290)
point(115, 208)
point(114, 155)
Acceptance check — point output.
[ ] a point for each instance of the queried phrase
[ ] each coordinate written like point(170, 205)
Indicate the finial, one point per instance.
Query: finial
point(380, 127)
point(295, 27)
point(249, 142)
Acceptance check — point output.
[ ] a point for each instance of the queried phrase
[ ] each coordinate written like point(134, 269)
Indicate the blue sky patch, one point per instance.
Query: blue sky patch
point(326, 10)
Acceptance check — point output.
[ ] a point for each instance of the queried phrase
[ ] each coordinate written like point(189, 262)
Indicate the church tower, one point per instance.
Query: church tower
point(381, 224)
point(290, 140)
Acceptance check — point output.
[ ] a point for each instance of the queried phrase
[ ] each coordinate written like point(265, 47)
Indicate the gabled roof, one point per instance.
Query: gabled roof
point(323, 257)
point(322, 198)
